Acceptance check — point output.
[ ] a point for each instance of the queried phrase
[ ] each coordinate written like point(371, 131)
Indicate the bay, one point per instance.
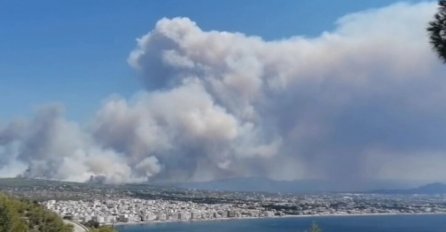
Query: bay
point(397, 223)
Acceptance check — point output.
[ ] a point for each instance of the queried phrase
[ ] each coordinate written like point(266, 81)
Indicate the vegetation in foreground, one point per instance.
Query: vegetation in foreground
point(27, 216)
point(437, 31)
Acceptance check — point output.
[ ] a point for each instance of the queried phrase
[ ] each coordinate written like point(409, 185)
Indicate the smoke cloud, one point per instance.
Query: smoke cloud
point(362, 102)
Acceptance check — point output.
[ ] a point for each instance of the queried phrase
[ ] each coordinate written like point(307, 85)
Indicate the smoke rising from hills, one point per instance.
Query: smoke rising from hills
point(364, 101)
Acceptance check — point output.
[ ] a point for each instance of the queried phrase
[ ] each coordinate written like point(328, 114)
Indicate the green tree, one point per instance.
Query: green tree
point(437, 31)
point(10, 218)
point(5, 221)
point(25, 216)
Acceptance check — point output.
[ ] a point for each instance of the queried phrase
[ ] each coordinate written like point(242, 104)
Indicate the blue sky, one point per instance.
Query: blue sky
point(216, 89)
point(74, 52)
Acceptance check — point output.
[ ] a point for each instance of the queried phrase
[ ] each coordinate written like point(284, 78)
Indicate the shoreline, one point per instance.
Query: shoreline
point(274, 217)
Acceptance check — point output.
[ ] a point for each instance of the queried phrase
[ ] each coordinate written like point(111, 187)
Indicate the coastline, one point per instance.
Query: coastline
point(77, 227)
point(275, 217)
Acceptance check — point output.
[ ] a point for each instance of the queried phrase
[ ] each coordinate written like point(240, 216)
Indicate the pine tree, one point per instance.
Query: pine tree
point(437, 31)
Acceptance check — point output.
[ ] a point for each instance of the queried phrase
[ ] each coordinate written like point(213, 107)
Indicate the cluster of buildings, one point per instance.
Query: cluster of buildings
point(359, 204)
point(136, 210)
point(142, 203)
point(132, 210)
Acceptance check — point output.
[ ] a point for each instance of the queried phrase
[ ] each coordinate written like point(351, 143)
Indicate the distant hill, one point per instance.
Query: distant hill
point(250, 184)
point(257, 184)
point(24, 182)
point(21, 182)
point(434, 188)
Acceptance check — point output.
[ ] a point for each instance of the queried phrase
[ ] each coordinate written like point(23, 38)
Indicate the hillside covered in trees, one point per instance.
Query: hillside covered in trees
point(27, 216)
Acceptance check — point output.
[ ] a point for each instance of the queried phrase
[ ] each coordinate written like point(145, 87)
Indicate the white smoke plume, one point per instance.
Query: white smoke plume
point(343, 106)
point(53, 148)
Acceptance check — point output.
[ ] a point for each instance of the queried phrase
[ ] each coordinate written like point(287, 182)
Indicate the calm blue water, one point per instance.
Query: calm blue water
point(419, 223)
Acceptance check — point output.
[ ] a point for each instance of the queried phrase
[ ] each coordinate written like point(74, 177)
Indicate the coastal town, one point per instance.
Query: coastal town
point(134, 210)
point(138, 210)
point(104, 204)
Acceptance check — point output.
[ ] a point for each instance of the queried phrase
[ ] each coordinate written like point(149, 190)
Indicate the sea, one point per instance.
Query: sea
point(394, 223)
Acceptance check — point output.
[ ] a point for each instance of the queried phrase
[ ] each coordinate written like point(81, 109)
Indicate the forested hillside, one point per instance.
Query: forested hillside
point(27, 216)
